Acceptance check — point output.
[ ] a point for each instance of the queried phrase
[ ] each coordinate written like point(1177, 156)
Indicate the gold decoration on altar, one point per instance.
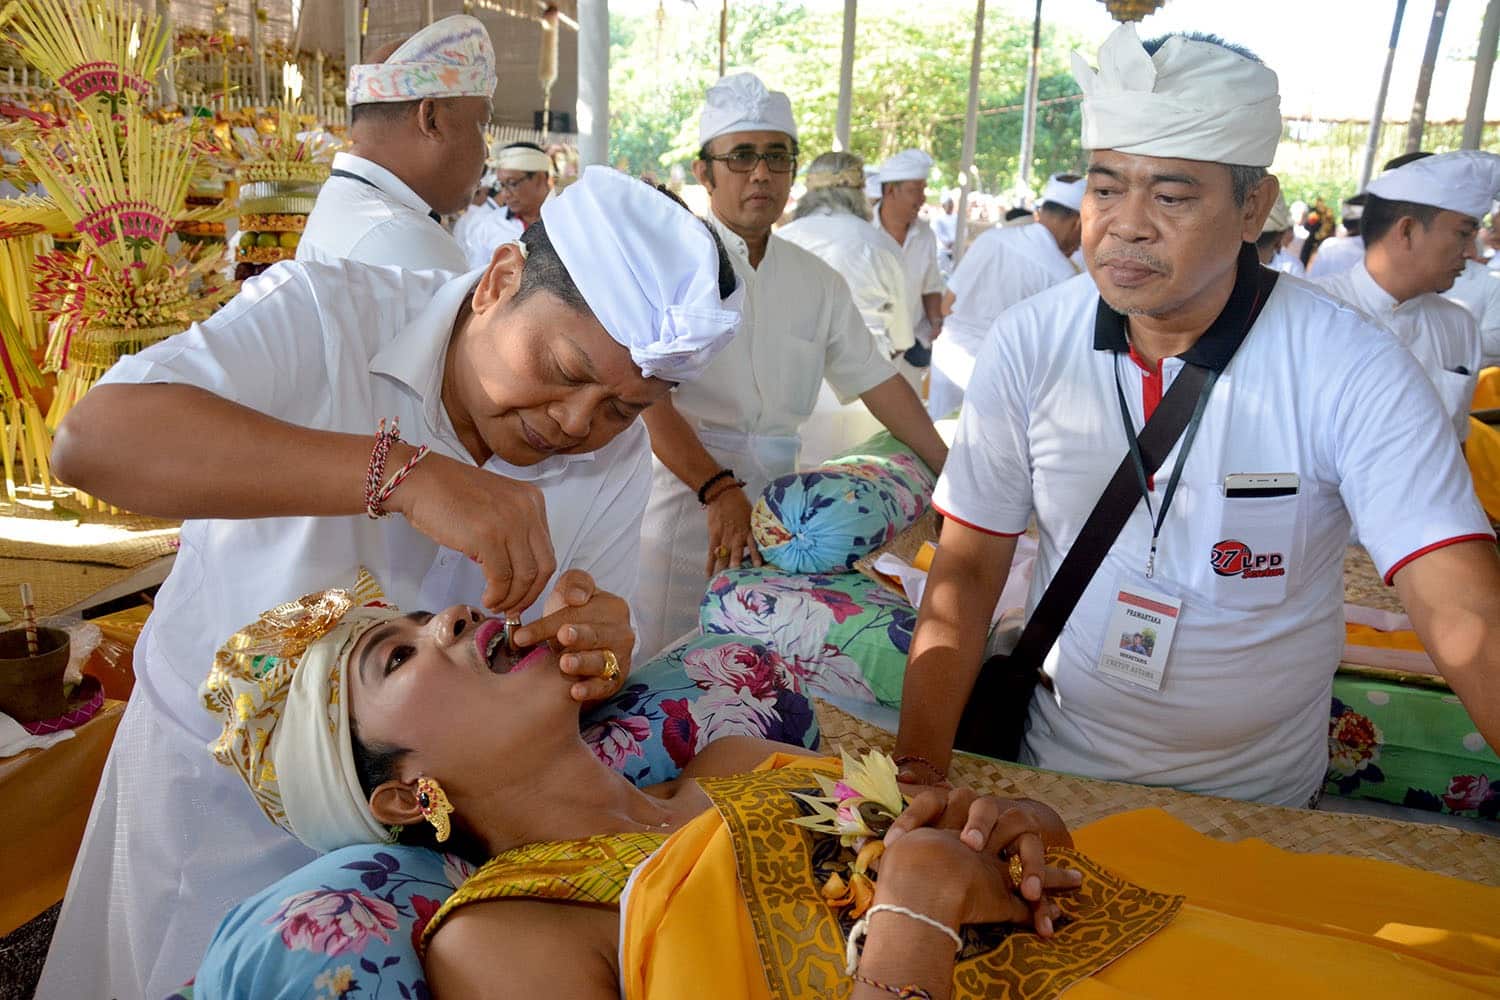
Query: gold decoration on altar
point(1131, 10)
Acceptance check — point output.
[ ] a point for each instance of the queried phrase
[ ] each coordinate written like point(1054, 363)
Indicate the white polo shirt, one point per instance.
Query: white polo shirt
point(1335, 254)
point(869, 261)
point(376, 220)
point(337, 347)
point(1440, 334)
point(1005, 265)
point(1478, 290)
point(493, 230)
point(1314, 390)
point(923, 276)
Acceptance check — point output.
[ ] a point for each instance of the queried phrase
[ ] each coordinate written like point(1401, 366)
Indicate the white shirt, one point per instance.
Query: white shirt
point(1478, 290)
point(869, 260)
point(337, 347)
point(1335, 254)
point(1287, 264)
point(463, 229)
point(1441, 335)
point(919, 257)
point(800, 328)
point(382, 222)
point(493, 230)
point(945, 228)
point(1313, 390)
point(1005, 265)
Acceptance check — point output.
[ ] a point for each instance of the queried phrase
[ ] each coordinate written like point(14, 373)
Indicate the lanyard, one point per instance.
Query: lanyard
point(351, 176)
point(1158, 518)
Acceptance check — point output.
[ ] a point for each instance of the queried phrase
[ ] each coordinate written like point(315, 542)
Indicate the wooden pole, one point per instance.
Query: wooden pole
point(1028, 113)
point(351, 34)
point(1424, 78)
point(724, 38)
point(846, 80)
point(1373, 143)
point(971, 130)
point(1484, 65)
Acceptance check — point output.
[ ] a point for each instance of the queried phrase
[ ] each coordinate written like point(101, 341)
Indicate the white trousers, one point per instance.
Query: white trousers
point(174, 840)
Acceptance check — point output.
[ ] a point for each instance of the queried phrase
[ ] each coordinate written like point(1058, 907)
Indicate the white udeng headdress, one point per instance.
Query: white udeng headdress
point(648, 269)
point(1466, 182)
point(740, 102)
point(907, 165)
point(1192, 100)
point(1064, 193)
point(448, 58)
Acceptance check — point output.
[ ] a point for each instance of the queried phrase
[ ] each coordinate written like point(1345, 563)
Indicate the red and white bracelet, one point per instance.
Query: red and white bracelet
point(376, 492)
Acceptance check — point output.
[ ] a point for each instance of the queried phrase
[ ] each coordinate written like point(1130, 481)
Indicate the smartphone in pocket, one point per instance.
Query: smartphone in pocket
point(1261, 484)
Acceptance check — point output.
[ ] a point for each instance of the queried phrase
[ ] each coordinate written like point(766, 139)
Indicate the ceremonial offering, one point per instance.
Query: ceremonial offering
point(31, 683)
point(280, 171)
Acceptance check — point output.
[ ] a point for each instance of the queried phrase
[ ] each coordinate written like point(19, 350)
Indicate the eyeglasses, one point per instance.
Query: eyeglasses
point(515, 185)
point(744, 161)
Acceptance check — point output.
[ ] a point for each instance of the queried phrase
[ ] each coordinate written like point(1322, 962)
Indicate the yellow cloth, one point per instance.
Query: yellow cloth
point(1482, 451)
point(731, 906)
point(1365, 635)
point(1261, 922)
point(1487, 390)
point(591, 872)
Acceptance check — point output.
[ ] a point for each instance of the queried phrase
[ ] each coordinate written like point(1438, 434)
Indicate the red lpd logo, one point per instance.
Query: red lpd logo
point(1234, 558)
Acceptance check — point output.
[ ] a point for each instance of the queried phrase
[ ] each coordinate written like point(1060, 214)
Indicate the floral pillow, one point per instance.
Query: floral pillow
point(825, 519)
point(345, 925)
point(843, 636)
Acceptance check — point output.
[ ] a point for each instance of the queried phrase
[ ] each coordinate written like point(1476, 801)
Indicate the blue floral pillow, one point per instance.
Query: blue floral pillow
point(345, 925)
point(840, 636)
point(825, 519)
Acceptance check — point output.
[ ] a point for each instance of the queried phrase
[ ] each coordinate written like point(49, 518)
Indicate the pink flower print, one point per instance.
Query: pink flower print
point(615, 741)
point(425, 909)
point(736, 666)
point(679, 731)
point(724, 712)
point(1467, 791)
point(333, 921)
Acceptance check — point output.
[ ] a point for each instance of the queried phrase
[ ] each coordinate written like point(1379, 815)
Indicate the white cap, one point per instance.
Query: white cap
point(1353, 210)
point(1280, 218)
point(648, 269)
point(1466, 182)
point(1062, 193)
point(521, 158)
point(740, 102)
point(907, 165)
point(1191, 100)
point(448, 58)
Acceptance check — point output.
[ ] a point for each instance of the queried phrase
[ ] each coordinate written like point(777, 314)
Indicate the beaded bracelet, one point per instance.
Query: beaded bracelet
point(903, 992)
point(703, 490)
point(733, 484)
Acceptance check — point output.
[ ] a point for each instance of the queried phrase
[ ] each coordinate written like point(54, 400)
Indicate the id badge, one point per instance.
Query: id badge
point(1138, 639)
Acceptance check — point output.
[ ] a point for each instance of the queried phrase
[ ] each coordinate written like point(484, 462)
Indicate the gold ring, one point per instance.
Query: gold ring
point(1017, 871)
point(611, 666)
point(722, 552)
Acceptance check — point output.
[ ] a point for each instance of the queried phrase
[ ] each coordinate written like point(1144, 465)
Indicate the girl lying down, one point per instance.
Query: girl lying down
point(761, 872)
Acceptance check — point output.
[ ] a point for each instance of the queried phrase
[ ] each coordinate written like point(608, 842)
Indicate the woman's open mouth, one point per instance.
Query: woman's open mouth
point(495, 652)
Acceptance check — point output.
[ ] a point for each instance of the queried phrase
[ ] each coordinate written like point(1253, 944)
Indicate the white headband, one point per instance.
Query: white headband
point(1466, 182)
point(1060, 192)
point(1192, 100)
point(648, 269)
point(522, 158)
point(740, 102)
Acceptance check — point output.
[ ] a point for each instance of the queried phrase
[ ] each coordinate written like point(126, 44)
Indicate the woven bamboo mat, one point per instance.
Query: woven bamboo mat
point(904, 546)
point(61, 533)
point(56, 585)
point(1363, 585)
point(1079, 801)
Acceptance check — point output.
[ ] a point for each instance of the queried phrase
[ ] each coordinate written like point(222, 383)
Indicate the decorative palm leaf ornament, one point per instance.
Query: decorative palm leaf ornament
point(120, 177)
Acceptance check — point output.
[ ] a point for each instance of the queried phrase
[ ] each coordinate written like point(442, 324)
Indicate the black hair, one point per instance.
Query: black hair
point(381, 112)
point(1061, 212)
point(1382, 214)
point(523, 145)
point(1153, 45)
point(545, 272)
point(1403, 160)
point(374, 765)
point(1012, 214)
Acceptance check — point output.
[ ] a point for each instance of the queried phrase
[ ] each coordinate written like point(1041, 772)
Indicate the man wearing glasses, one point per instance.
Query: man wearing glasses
point(719, 442)
point(524, 174)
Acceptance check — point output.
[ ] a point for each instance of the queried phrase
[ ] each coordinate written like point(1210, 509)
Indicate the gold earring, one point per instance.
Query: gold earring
point(435, 806)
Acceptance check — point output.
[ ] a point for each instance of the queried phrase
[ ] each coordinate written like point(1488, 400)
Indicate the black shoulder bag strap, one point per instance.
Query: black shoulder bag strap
point(994, 721)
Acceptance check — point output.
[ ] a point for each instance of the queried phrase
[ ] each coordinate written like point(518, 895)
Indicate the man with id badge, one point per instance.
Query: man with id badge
point(1193, 435)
